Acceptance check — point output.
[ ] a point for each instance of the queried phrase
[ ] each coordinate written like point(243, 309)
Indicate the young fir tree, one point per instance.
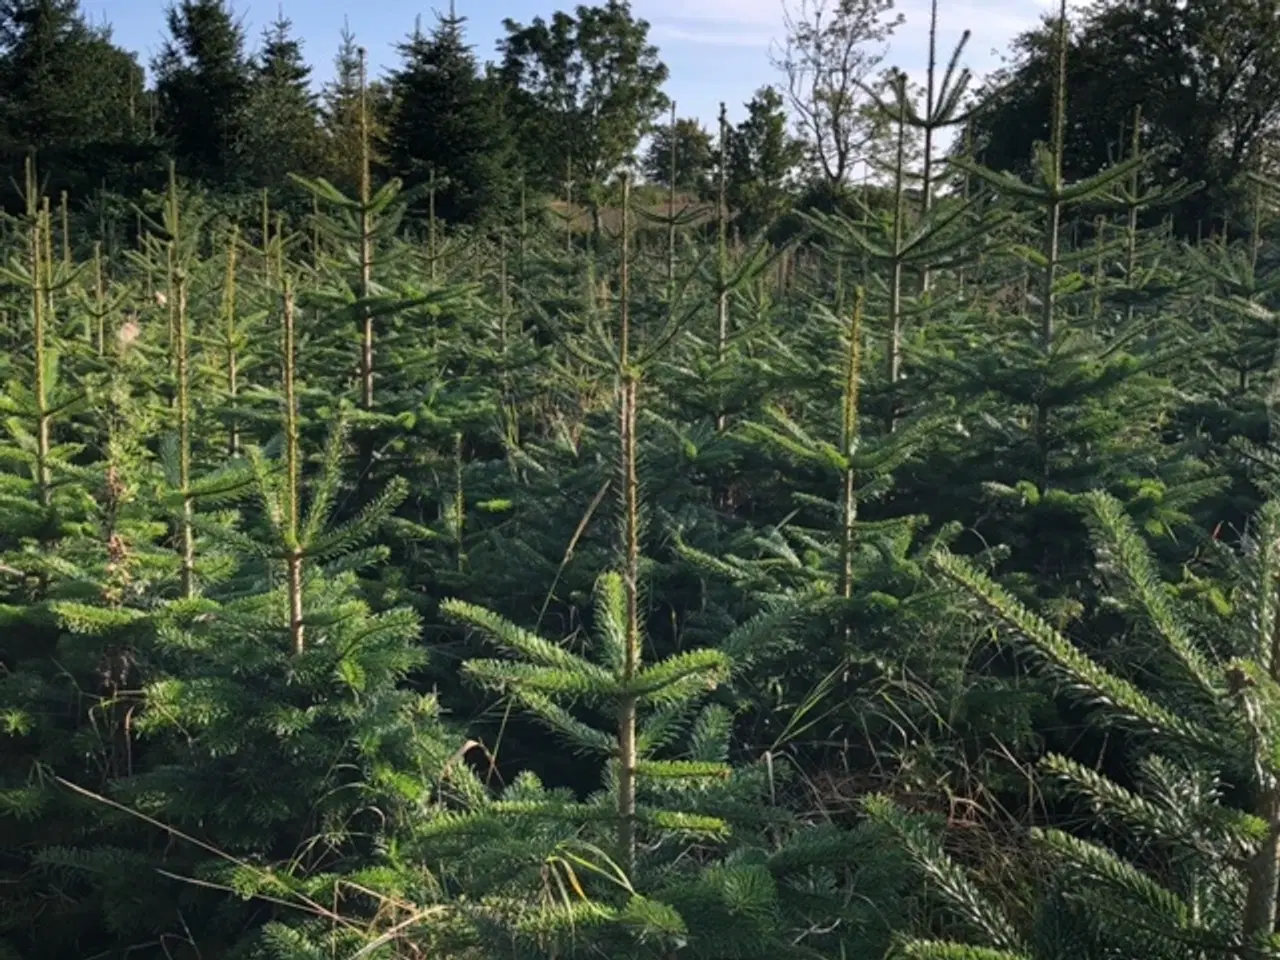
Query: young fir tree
point(279, 731)
point(1228, 309)
point(45, 499)
point(841, 538)
point(665, 784)
point(1057, 404)
point(1183, 857)
point(899, 241)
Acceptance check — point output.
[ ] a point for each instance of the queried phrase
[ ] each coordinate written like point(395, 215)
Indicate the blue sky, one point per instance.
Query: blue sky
point(716, 49)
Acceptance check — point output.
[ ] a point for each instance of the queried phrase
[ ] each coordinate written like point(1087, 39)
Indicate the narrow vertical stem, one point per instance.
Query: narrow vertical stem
point(1263, 873)
point(1135, 207)
point(568, 204)
point(169, 301)
point(266, 234)
point(1052, 234)
point(48, 254)
point(1263, 870)
point(293, 558)
point(722, 253)
point(624, 268)
point(966, 194)
point(671, 210)
point(1053, 224)
point(39, 281)
point(1255, 232)
point(504, 297)
point(279, 248)
point(100, 296)
point(893, 356)
point(524, 231)
point(1052, 246)
point(926, 186)
point(315, 232)
point(290, 412)
point(722, 236)
point(839, 285)
point(431, 222)
point(459, 503)
point(183, 374)
point(628, 387)
point(1099, 265)
point(510, 419)
point(366, 233)
point(232, 342)
point(66, 230)
point(848, 442)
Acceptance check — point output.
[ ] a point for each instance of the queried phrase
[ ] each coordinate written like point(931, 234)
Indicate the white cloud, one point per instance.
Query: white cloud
point(758, 23)
point(711, 13)
point(709, 33)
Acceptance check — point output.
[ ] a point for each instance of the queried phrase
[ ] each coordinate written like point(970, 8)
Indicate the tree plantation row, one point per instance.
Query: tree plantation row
point(891, 577)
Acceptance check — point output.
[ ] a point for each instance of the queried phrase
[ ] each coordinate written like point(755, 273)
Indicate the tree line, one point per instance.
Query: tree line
point(571, 99)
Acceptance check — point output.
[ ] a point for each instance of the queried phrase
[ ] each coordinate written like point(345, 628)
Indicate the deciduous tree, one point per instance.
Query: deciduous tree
point(695, 156)
point(828, 58)
point(1206, 74)
point(585, 88)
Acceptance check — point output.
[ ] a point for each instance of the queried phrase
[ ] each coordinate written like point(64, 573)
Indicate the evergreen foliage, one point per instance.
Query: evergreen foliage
point(281, 131)
point(762, 163)
point(203, 83)
point(448, 127)
point(70, 94)
point(797, 568)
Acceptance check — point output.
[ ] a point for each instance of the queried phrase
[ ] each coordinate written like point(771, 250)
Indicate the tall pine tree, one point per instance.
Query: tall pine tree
point(282, 132)
point(447, 124)
point(203, 81)
point(69, 93)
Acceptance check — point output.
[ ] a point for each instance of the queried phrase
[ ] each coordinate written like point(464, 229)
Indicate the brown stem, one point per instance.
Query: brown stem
point(1053, 223)
point(894, 353)
point(101, 297)
point(671, 211)
point(39, 224)
point(1263, 872)
point(294, 557)
point(184, 437)
point(849, 436)
point(66, 231)
point(926, 190)
point(229, 315)
point(366, 234)
point(722, 220)
point(627, 394)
